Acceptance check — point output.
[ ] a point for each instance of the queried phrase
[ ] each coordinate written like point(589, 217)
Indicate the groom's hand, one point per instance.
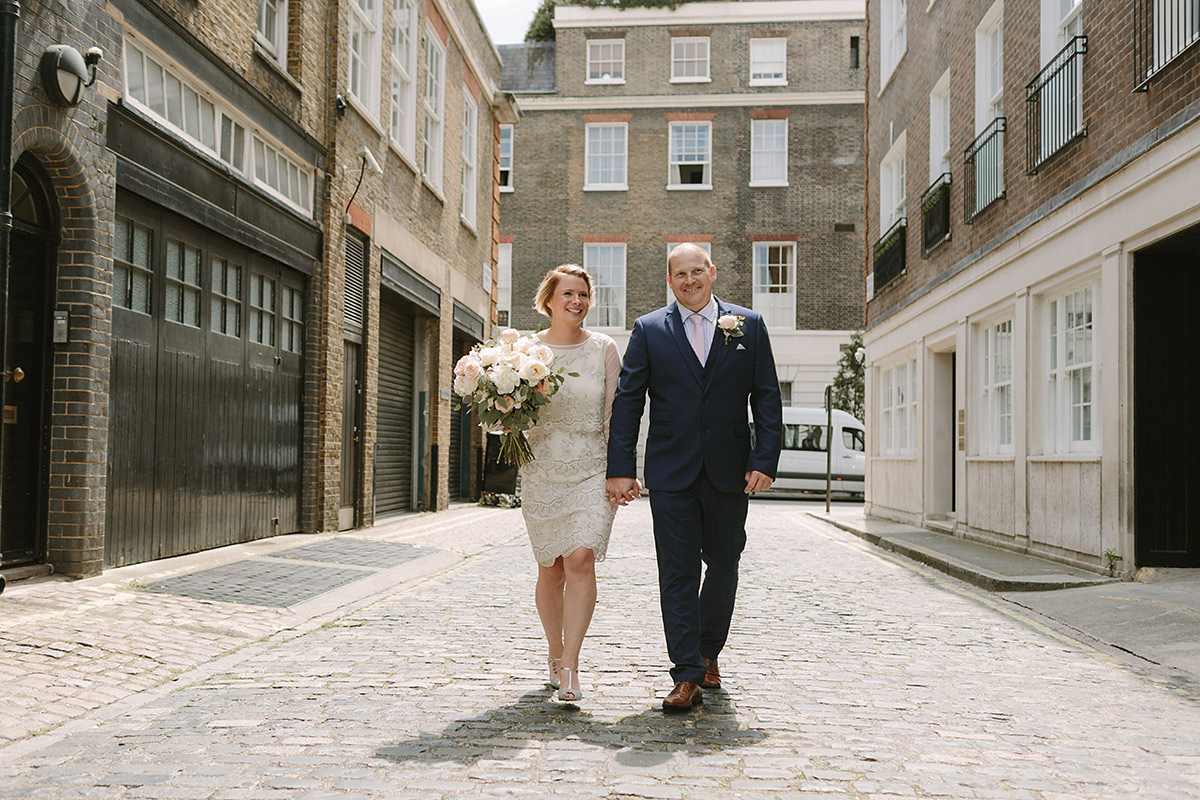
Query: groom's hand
point(757, 481)
point(621, 491)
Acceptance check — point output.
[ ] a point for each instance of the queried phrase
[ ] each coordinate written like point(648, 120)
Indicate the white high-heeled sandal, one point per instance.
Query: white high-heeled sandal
point(565, 693)
point(552, 663)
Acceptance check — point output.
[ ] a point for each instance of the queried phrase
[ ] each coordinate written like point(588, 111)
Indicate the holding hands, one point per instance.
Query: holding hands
point(622, 491)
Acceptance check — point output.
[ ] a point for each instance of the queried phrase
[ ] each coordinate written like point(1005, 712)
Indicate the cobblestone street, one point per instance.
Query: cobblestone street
point(850, 673)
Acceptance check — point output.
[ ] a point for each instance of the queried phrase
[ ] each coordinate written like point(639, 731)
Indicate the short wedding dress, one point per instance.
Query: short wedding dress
point(562, 489)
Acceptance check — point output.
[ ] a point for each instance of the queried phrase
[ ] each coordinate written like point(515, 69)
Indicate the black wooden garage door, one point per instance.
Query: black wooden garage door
point(394, 443)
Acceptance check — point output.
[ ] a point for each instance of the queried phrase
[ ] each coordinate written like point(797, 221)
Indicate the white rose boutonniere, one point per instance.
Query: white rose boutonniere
point(731, 325)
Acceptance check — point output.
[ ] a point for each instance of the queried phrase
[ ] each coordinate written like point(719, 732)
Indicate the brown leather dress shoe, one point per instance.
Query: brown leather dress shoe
point(685, 695)
point(712, 675)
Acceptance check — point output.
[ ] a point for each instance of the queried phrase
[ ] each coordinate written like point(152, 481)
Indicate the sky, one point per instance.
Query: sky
point(507, 20)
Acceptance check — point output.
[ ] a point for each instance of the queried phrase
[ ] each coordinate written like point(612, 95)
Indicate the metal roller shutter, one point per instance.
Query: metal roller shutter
point(394, 445)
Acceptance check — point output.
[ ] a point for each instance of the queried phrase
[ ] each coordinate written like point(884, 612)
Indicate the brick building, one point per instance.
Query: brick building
point(1032, 208)
point(203, 253)
point(734, 125)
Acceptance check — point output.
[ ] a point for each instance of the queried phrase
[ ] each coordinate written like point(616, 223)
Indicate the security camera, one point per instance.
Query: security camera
point(93, 56)
point(369, 157)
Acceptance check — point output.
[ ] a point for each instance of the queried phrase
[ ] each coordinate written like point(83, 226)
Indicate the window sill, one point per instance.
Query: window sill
point(892, 73)
point(760, 184)
point(436, 190)
point(615, 187)
point(768, 82)
point(507, 190)
point(691, 80)
point(469, 225)
point(363, 112)
point(1064, 457)
point(604, 82)
point(895, 457)
point(405, 158)
point(276, 65)
point(992, 458)
point(689, 187)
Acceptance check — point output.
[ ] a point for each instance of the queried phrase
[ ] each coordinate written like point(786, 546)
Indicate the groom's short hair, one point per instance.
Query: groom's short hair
point(549, 285)
point(707, 259)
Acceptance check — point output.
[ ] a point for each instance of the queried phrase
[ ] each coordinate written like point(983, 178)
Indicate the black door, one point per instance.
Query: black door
point(27, 354)
point(1166, 370)
point(351, 436)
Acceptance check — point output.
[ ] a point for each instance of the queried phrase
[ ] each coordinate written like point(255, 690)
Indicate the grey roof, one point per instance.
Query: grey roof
point(527, 67)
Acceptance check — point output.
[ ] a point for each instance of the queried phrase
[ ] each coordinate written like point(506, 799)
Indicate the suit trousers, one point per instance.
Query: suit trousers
point(699, 525)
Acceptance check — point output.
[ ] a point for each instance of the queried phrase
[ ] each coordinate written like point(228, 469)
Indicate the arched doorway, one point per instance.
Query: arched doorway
point(33, 245)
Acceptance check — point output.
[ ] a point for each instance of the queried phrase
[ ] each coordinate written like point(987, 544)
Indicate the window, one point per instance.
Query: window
point(183, 283)
point(854, 439)
point(989, 67)
point(768, 152)
point(365, 65)
point(897, 409)
point(226, 297)
point(775, 283)
point(785, 392)
point(893, 36)
point(262, 309)
point(689, 59)
point(504, 284)
point(939, 128)
point(292, 311)
point(282, 176)
point(606, 264)
point(434, 102)
point(605, 61)
point(404, 68)
point(892, 184)
point(854, 52)
point(470, 149)
point(606, 156)
point(131, 265)
point(272, 28)
point(996, 434)
point(690, 156)
point(506, 158)
point(768, 62)
point(1071, 373)
point(1176, 28)
point(813, 438)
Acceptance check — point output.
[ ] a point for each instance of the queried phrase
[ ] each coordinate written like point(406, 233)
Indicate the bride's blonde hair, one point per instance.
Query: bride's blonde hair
point(549, 285)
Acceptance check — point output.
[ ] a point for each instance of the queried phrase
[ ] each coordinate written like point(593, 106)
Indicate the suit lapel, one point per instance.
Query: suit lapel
point(676, 328)
point(717, 351)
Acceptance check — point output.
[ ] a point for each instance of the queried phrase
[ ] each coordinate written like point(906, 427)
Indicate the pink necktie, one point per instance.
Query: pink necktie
point(697, 336)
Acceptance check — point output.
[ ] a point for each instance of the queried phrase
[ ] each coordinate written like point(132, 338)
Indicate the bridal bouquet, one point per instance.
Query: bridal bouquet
point(505, 381)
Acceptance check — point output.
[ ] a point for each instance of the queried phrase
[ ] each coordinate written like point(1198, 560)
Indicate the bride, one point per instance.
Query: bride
point(562, 489)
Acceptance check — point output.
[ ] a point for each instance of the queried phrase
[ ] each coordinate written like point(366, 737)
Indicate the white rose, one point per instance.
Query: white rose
point(465, 386)
point(488, 356)
point(510, 336)
point(473, 370)
point(523, 344)
point(542, 353)
point(727, 322)
point(505, 378)
point(533, 371)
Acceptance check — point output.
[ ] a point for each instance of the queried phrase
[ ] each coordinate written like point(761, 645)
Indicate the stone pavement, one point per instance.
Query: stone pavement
point(852, 673)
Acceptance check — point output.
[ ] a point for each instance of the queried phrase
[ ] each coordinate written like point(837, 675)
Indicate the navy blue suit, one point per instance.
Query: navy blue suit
point(697, 454)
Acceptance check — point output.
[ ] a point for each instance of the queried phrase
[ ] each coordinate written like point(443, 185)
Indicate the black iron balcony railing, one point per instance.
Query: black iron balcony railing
point(983, 182)
point(1054, 105)
point(1162, 31)
point(935, 214)
point(889, 254)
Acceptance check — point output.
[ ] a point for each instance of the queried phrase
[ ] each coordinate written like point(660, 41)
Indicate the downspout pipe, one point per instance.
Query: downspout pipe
point(10, 12)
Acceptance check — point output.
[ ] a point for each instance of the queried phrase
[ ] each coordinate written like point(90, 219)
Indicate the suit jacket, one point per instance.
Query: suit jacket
point(698, 415)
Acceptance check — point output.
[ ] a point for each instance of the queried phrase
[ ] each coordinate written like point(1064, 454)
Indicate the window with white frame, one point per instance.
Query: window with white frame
point(939, 128)
point(605, 61)
point(892, 184)
point(689, 59)
point(989, 67)
point(705, 246)
point(996, 400)
point(768, 62)
point(506, 158)
point(1071, 372)
point(272, 28)
point(897, 409)
point(893, 36)
point(403, 57)
point(775, 283)
point(690, 156)
point(785, 393)
point(768, 152)
point(433, 102)
point(503, 283)
point(470, 149)
point(365, 54)
point(606, 264)
point(606, 156)
point(194, 113)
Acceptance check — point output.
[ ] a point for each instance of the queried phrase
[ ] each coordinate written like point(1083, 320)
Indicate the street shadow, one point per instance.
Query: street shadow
point(645, 739)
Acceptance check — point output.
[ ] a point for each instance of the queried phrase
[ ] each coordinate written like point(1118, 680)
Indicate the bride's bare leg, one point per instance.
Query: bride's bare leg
point(579, 603)
point(549, 599)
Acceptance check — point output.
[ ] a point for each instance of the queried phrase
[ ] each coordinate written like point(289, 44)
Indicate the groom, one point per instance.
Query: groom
point(702, 361)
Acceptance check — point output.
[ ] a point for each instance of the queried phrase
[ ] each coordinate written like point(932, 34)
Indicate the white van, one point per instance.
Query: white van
point(802, 462)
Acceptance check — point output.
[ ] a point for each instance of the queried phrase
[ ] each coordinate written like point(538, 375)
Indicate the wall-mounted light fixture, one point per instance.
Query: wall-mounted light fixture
point(65, 73)
point(340, 105)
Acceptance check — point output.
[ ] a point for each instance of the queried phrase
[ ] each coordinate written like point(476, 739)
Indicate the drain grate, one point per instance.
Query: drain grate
point(259, 583)
point(358, 552)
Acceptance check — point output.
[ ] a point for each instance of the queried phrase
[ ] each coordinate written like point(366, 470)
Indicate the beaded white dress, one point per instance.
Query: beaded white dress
point(562, 489)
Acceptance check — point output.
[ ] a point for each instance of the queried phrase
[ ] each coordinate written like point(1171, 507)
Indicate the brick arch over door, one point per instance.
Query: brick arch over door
point(82, 288)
